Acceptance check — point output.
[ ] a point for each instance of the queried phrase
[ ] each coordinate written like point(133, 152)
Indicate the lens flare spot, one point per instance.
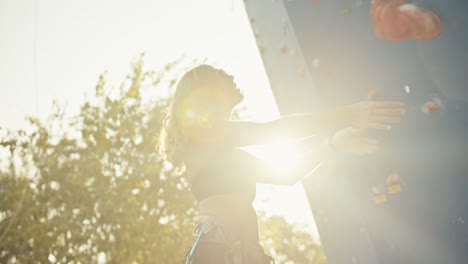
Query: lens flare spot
point(190, 114)
point(282, 156)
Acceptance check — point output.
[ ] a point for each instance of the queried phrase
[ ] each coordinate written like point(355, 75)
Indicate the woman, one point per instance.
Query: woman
point(200, 140)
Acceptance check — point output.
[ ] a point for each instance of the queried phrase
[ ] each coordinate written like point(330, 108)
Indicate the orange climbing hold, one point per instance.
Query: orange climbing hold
point(394, 183)
point(379, 197)
point(282, 48)
point(323, 217)
point(362, 232)
point(301, 73)
point(372, 95)
point(431, 106)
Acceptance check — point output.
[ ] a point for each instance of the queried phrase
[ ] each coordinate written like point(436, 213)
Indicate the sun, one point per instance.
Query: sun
point(282, 156)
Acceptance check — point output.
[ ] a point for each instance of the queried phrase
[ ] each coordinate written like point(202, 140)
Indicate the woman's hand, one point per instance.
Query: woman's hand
point(351, 141)
point(377, 115)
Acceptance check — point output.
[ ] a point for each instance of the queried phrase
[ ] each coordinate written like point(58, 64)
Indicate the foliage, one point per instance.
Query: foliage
point(288, 243)
point(92, 189)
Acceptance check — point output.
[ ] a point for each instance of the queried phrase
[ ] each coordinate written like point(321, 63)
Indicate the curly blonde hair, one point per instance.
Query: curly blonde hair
point(173, 142)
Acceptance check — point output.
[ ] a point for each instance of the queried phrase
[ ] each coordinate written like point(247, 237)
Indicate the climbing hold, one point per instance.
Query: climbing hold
point(293, 52)
point(394, 183)
point(301, 73)
point(282, 48)
point(316, 64)
point(256, 33)
point(323, 217)
point(431, 106)
point(372, 95)
point(461, 220)
point(261, 49)
point(362, 232)
point(407, 89)
point(379, 197)
point(395, 20)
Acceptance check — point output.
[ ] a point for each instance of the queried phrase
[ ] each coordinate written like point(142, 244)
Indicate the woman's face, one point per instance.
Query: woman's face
point(229, 93)
point(210, 103)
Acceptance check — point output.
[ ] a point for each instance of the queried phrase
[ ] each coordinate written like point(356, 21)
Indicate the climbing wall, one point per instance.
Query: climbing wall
point(408, 203)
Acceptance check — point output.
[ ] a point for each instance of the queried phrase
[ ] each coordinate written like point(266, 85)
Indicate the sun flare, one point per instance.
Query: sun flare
point(281, 155)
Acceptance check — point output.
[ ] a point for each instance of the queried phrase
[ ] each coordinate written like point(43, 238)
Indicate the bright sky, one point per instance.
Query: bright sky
point(57, 49)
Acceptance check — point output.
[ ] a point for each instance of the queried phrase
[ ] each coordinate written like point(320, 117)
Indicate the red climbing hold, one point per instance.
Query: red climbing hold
point(395, 20)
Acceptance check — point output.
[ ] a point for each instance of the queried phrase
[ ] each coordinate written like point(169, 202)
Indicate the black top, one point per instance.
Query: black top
point(225, 173)
point(228, 171)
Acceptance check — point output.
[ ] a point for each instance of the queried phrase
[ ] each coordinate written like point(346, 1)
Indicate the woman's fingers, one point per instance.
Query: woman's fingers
point(384, 113)
point(365, 145)
point(396, 111)
point(388, 104)
point(365, 149)
point(369, 148)
point(370, 141)
point(376, 115)
point(379, 126)
point(352, 141)
point(384, 119)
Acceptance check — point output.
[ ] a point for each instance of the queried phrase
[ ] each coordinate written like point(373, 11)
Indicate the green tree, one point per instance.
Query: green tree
point(92, 187)
point(100, 186)
point(289, 243)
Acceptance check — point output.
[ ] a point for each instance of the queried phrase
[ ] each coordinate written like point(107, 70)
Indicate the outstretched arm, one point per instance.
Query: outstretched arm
point(290, 127)
point(376, 115)
point(348, 140)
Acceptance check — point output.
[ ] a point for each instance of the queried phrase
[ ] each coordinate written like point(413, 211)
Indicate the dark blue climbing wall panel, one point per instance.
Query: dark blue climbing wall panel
point(408, 203)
